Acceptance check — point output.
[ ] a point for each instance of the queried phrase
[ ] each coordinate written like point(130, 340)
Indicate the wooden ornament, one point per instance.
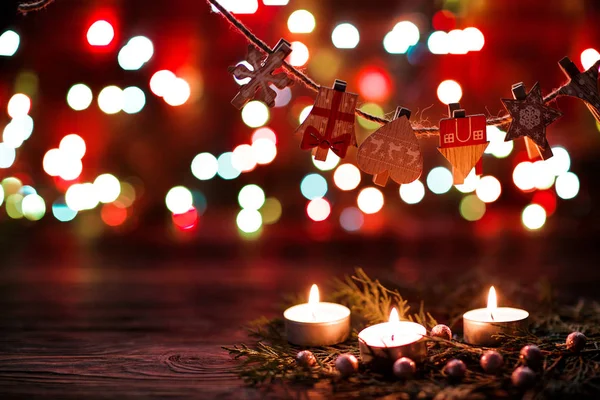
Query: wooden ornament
point(583, 85)
point(261, 75)
point(463, 139)
point(530, 116)
point(330, 123)
point(392, 151)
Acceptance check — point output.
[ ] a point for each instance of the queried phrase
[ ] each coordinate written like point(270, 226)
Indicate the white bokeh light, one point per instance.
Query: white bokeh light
point(345, 36)
point(79, 97)
point(346, 177)
point(111, 100)
point(533, 217)
point(204, 166)
point(179, 200)
point(567, 185)
point(100, 33)
point(449, 91)
point(370, 200)
point(488, 189)
point(412, 193)
point(439, 180)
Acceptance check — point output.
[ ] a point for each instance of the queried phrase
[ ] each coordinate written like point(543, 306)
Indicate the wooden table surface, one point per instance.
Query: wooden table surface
point(85, 322)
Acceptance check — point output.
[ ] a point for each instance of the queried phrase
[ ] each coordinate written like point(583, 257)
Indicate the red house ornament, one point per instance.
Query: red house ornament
point(330, 123)
point(463, 140)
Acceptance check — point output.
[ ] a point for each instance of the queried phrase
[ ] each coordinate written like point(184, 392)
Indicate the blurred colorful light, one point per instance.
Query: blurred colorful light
point(73, 146)
point(108, 188)
point(458, 42)
point(9, 43)
point(370, 200)
point(299, 55)
point(524, 176)
point(113, 214)
point(11, 185)
point(374, 84)
point(488, 189)
point(373, 109)
point(474, 39)
point(589, 57)
point(7, 155)
point(238, 6)
point(100, 33)
point(177, 93)
point(412, 193)
point(331, 161)
point(567, 185)
point(449, 91)
point(351, 219)
point(318, 209)
point(439, 180)
point(178, 199)
point(71, 168)
point(560, 162)
point(409, 31)
point(1, 195)
point(438, 43)
point(313, 186)
point(134, 100)
point(226, 169)
point(251, 197)
point(243, 159)
point(264, 151)
point(13, 206)
point(81, 196)
point(110, 100)
point(345, 36)
point(472, 208)
point(33, 207)
point(62, 212)
point(301, 21)
point(79, 97)
point(284, 96)
point(13, 136)
point(255, 114)
point(543, 178)
point(264, 133)
point(275, 2)
point(18, 105)
point(304, 113)
point(249, 221)
point(204, 166)
point(347, 177)
point(160, 82)
point(52, 162)
point(498, 147)
point(533, 217)
point(395, 43)
point(271, 211)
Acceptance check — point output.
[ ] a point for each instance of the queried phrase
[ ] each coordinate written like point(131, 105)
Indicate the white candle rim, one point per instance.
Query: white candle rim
point(342, 308)
point(421, 328)
point(469, 315)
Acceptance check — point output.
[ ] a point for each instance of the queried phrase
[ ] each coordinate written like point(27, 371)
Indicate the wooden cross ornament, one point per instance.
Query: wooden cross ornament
point(392, 151)
point(261, 75)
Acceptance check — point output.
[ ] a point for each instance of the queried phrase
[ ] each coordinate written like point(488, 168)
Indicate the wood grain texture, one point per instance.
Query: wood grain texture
point(261, 75)
point(391, 151)
point(582, 85)
point(330, 124)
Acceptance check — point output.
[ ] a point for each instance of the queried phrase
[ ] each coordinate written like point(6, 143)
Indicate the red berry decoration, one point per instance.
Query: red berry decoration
point(523, 377)
point(455, 369)
point(306, 359)
point(491, 361)
point(576, 341)
point(441, 331)
point(531, 355)
point(404, 368)
point(347, 364)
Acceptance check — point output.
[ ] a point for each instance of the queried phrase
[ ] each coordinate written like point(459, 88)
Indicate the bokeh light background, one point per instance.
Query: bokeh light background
point(119, 123)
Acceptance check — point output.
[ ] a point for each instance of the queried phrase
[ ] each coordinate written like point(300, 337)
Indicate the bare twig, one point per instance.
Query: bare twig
point(37, 5)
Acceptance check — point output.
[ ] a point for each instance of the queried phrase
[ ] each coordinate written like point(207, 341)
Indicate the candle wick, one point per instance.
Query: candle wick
point(492, 315)
point(392, 338)
point(314, 317)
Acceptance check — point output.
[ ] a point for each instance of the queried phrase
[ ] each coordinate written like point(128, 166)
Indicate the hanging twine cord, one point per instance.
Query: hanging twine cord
point(422, 131)
point(33, 5)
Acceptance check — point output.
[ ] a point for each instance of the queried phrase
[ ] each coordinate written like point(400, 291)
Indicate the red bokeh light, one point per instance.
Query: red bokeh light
point(443, 20)
point(113, 214)
point(374, 84)
point(186, 220)
point(546, 199)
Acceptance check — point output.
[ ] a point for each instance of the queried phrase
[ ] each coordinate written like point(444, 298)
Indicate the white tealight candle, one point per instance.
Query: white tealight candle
point(482, 324)
point(317, 323)
point(382, 344)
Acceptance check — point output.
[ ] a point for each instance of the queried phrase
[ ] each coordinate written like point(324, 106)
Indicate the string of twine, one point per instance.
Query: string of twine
point(37, 5)
point(422, 131)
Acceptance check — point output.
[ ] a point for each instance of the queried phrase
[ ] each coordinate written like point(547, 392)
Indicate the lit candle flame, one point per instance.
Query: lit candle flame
point(313, 297)
point(394, 317)
point(393, 320)
point(492, 303)
point(313, 300)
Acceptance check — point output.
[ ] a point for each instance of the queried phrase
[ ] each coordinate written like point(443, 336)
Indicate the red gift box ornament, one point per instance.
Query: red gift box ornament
point(330, 123)
point(392, 151)
point(463, 140)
